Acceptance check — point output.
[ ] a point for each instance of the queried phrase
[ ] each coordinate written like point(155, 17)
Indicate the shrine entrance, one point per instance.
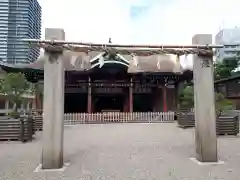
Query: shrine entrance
point(205, 116)
point(108, 103)
point(75, 103)
point(143, 103)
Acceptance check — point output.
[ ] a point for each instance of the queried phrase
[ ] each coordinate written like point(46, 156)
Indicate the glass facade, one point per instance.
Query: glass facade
point(227, 36)
point(19, 19)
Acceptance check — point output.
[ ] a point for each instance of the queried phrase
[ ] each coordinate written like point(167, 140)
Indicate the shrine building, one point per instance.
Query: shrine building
point(107, 82)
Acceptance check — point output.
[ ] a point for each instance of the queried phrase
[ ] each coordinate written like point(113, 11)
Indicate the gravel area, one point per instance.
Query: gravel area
point(122, 152)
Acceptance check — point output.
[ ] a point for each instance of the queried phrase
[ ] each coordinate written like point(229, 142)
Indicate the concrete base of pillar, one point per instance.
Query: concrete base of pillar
point(40, 169)
point(206, 163)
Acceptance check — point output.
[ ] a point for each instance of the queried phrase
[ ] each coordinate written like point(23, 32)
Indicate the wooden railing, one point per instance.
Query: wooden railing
point(118, 117)
point(108, 117)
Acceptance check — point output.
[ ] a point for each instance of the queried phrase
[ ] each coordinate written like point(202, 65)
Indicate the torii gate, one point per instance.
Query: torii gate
point(53, 117)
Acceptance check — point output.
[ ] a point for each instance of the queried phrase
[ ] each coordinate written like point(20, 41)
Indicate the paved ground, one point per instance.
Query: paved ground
point(122, 152)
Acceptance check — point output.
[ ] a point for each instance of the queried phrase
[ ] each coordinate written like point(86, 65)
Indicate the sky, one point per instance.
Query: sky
point(139, 21)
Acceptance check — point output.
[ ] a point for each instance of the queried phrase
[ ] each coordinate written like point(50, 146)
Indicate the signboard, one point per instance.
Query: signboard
point(206, 63)
point(170, 86)
point(110, 84)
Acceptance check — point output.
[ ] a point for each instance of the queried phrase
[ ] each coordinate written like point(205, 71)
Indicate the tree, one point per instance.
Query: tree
point(187, 97)
point(221, 103)
point(227, 67)
point(14, 85)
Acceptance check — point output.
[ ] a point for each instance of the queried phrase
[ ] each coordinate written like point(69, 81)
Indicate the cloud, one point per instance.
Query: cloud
point(139, 21)
point(178, 21)
point(90, 20)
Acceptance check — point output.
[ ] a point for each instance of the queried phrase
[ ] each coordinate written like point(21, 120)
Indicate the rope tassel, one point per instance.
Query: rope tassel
point(73, 60)
point(158, 64)
point(177, 67)
point(135, 61)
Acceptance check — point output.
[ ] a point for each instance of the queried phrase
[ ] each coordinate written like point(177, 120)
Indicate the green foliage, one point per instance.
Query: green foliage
point(39, 88)
point(227, 67)
point(222, 104)
point(14, 114)
point(14, 85)
point(187, 97)
point(187, 100)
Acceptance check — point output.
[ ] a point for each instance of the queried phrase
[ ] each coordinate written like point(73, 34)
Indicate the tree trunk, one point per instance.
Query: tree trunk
point(15, 114)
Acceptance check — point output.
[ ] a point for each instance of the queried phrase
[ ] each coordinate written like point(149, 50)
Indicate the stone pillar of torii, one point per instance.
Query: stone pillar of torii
point(53, 118)
point(204, 103)
point(53, 104)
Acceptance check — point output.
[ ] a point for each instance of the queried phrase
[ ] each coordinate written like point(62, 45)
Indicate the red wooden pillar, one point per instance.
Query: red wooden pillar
point(126, 104)
point(131, 96)
point(89, 102)
point(38, 100)
point(165, 98)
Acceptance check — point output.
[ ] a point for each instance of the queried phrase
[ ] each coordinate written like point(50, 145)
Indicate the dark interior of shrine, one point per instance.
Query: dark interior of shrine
point(142, 102)
point(108, 102)
point(75, 103)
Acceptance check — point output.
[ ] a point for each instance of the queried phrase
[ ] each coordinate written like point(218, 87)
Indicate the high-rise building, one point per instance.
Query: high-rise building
point(19, 19)
point(227, 36)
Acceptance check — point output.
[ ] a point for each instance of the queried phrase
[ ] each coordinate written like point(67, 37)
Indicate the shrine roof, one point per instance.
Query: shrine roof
point(231, 78)
point(80, 61)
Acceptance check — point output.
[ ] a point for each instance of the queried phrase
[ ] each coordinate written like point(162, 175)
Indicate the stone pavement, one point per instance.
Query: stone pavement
point(122, 152)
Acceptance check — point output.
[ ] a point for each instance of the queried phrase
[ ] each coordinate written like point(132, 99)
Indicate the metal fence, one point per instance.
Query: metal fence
point(118, 117)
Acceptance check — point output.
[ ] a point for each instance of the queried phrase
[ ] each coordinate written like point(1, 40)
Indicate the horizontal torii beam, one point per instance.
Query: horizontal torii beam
point(133, 50)
point(61, 42)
